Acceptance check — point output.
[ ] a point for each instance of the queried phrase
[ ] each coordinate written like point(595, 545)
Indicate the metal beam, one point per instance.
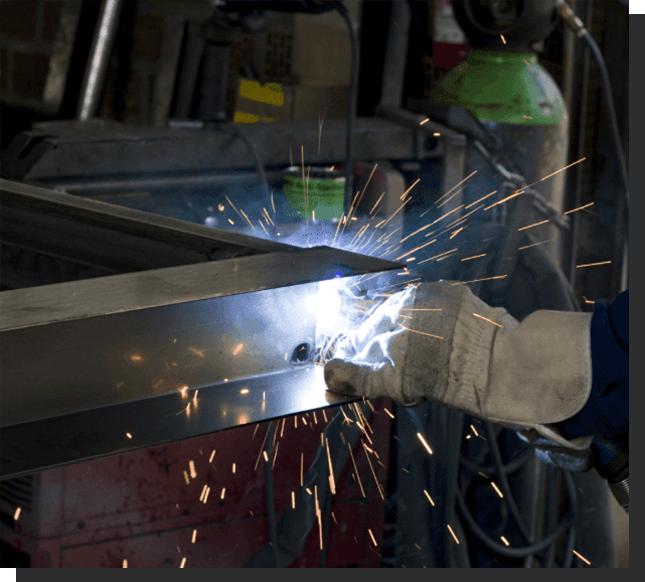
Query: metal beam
point(84, 363)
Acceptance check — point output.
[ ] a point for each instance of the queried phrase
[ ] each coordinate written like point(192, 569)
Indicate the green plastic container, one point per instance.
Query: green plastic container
point(320, 196)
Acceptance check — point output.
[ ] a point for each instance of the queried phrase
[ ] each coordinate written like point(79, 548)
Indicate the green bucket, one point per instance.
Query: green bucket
point(320, 195)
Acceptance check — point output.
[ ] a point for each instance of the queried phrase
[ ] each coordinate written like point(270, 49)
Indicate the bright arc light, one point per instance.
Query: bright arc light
point(326, 303)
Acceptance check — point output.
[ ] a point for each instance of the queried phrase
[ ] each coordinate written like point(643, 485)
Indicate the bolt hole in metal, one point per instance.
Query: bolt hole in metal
point(300, 354)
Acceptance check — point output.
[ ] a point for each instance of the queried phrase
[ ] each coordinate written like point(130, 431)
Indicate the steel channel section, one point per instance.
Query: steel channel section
point(86, 363)
point(59, 151)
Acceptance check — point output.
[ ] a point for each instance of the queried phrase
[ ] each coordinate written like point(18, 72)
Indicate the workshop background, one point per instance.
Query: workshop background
point(144, 139)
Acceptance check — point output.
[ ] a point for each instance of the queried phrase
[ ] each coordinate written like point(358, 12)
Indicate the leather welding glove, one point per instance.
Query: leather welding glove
point(439, 342)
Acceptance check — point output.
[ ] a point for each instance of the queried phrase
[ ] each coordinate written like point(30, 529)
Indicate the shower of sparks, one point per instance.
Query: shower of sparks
point(421, 332)
point(194, 536)
point(125, 563)
point(429, 498)
point(582, 558)
point(183, 562)
point(477, 280)
point(372, 536)
point(474, 430)
point(579, 208)
point(16, 515)
point(128, 435)
point(475, 257)
point(373, 472)
point(593, 264)
point(423, 441)
point(389, 413)
point(488, 320)
point(503, 39)
point(535, 244)
point(505, 541)
point(534, 224)
point(484, 198)
point(425, 120)
point(497, 489)
point(187, 479)
point(193, 473)
point(563, 169)
point(453, 533)
point(358, 477)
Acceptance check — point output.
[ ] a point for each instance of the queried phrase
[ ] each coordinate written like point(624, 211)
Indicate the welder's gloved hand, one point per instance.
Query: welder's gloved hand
point(528, 376)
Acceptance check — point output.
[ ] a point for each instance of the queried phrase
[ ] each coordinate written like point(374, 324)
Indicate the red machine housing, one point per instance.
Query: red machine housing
point(144, 507)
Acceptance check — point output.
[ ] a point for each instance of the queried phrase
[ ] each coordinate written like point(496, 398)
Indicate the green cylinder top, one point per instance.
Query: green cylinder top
point(503, 87)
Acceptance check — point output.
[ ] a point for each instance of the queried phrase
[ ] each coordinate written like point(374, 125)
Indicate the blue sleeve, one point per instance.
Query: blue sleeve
point(606, 413)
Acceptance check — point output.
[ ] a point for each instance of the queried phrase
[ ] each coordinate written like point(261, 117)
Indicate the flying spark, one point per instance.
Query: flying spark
point(475, 257)
point(208, 490)
point(186, 477)
point(389, 413)
point(211, 458)
point(456, 232)
point(425, 121)
point(183, 562)
point(503, 39)
point(16, 515)
point(266, 457)
point(484, 198)
point(593, 264)
point(477, 280)
point(377, 203)
point(496, 489)
point(421, 332)
point(535, 244)
point(505, 541)
point(302, 468)
point(439, 255)
point(193, 473)
point(423, 441)
point(579, 208)
point(125, 563)
point(582, 558)
point(488, 320)
point(128, 435)
point(231, 221)
point(429, 498)
point(373, 473)
point(532, 225)
point(474, 430)
point(453, 533)
point(201, 497)
point(194, 536)
point(358, 477)
point(293, 499)
point(372, 536)
point(563, 169)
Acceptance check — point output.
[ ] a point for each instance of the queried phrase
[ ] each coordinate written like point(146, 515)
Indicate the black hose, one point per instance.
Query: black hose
point(503, 481)
point(609, 102)
point(339, 6)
